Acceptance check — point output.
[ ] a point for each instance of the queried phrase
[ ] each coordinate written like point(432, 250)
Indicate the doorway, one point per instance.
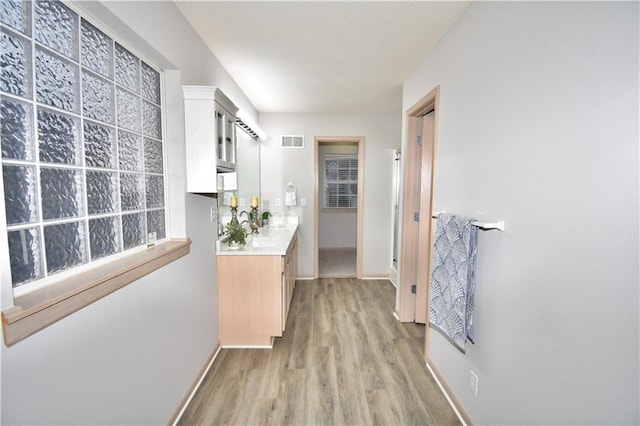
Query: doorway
point(417, 211)
point(338, 200)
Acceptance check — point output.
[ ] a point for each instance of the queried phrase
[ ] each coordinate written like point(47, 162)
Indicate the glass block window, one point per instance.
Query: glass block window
point(82, 141)
point(341, 181)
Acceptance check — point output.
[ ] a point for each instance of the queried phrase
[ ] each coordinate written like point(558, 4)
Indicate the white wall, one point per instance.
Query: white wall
point(130, 357)
point(539, 127)
point(335, 229)
point(280, 166)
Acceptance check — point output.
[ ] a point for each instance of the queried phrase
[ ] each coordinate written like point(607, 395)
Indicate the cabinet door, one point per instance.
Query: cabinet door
point(285, 293)
point(230, 142)
point(249, 299)
point(220, 125)
point(289, 275)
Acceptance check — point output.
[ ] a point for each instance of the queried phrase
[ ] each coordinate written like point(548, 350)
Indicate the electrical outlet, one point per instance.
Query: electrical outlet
point(303, 202)
point(277, 202)
point(242, 202)
point(473, 383)
point(214, 214)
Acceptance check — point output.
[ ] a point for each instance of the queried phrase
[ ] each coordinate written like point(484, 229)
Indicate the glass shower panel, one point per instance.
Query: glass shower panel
point(396, 207)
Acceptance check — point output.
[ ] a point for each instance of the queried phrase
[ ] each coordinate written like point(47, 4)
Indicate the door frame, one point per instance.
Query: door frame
point(416, 186)
point(324, 140)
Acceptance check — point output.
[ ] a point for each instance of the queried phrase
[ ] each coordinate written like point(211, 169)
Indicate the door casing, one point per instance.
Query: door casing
point(322, 140)
point(417, 197)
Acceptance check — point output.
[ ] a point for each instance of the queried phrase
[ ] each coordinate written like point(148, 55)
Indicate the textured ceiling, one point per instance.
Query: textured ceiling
point(321, 56)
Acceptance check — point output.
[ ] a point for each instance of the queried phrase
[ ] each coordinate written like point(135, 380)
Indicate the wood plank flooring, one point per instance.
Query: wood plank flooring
point(343, 360)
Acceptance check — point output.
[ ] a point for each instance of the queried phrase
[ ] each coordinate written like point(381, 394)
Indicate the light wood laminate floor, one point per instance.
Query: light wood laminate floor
point(343, 360)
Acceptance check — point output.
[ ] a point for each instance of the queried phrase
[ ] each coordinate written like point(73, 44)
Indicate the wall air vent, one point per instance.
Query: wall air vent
point(292, 141)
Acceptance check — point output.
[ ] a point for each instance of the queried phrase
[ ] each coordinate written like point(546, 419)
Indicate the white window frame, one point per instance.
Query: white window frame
point(353, 203)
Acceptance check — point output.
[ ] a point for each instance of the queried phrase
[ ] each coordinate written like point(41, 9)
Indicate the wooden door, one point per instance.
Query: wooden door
point(417, 209)
point(423, 275)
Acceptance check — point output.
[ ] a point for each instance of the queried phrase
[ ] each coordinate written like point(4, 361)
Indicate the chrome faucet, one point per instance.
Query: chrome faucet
point(254, 221)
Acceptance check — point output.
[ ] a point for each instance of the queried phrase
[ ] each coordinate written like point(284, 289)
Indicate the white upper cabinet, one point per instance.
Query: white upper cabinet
point(210, 138)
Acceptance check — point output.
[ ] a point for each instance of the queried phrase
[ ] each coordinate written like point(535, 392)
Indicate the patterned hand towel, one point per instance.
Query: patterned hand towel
point(453, 278)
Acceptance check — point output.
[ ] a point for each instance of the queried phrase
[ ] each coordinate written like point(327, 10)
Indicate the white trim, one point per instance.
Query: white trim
point(375, 277)
point(248, 346)
point(446, 394)
point(196, 387)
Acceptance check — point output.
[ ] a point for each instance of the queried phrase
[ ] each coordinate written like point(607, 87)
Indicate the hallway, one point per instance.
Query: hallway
point(343, 359)
point(337, 263)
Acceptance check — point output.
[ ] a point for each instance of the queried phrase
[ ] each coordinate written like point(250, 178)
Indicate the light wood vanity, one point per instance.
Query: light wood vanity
point(255, 286)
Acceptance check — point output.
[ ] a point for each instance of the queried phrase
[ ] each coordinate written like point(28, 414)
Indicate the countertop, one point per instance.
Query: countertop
point(272, 240)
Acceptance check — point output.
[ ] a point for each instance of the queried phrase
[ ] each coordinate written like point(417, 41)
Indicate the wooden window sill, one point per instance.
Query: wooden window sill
point(40, 308)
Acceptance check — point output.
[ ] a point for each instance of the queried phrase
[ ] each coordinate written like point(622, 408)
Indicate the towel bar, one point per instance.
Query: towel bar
point(483, 225)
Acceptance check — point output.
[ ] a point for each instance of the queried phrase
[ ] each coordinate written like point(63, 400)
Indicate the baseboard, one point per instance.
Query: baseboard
point(375, 276)
point(186, 399)
point(364, 277)
point(393, 276)
point(448, 393)
point(305, 277)
point(337, 248)
point(336, 276)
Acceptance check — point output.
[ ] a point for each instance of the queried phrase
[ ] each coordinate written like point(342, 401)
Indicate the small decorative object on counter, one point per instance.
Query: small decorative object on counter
point(265, 217)
point(234, 216)
point(235, 235)
point(254, 201)
point(254, 220)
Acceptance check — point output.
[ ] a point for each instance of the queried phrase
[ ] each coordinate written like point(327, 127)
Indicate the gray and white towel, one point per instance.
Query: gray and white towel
point(453, 280)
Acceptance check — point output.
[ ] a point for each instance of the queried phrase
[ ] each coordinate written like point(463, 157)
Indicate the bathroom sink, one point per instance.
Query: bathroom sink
point(277, 225)
point(265, 242)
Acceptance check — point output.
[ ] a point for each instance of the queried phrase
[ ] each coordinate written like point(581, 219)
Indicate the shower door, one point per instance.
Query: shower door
point(396, 208)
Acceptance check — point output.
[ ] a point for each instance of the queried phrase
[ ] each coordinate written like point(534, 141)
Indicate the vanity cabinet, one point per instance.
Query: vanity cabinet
point(254, 296)
point(289, 274)
point(210, 138)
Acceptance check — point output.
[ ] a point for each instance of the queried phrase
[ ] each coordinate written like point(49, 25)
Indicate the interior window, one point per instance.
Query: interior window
point(82, 142)
point(340, 181)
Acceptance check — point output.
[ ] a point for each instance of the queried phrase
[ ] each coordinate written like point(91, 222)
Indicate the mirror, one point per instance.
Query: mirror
point(248, 169)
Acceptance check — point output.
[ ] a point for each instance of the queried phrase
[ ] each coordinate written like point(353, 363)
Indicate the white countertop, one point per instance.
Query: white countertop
point(272, 240)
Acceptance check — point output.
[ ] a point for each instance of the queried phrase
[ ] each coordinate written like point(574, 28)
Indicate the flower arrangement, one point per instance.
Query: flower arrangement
point(235, 234)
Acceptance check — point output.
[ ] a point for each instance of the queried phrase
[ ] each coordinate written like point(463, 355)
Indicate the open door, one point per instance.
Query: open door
point(417, 210)
point(423, 272)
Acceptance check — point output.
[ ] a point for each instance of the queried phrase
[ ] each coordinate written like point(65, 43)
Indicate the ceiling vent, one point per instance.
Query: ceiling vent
point(292, 141)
